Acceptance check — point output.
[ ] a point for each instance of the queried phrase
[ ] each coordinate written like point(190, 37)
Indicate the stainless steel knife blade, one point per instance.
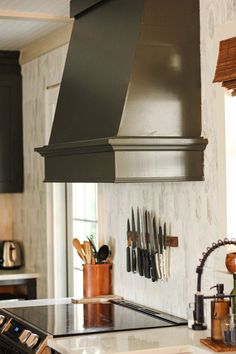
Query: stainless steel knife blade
point(160, 237)
point(165, 253)
point(133, 263)
point(157, 246)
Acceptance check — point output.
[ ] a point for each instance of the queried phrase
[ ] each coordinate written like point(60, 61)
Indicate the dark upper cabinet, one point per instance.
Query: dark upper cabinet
point(11, 146)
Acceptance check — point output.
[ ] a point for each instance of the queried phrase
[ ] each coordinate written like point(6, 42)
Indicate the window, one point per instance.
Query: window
point(230, 132)
point(82, 221)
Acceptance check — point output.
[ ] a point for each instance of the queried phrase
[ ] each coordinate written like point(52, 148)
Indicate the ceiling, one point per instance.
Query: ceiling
point(24, 21)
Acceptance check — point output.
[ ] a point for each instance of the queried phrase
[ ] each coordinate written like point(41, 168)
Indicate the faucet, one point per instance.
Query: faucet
point(198, 313)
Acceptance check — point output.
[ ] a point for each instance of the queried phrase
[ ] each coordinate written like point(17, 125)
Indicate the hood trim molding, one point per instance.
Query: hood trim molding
point(124, 144)
point(126, 159)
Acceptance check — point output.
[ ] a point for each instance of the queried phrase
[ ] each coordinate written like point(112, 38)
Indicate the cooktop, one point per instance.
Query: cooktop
point(71, 319)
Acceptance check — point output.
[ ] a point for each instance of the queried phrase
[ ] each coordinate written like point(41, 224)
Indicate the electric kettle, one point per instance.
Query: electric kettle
point(10, 254)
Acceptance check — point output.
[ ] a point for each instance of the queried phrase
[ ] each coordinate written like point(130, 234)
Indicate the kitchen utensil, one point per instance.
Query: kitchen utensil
point(128, 263)
point(166, 254)
point(133, 263)
point(102, 254)
point(146, 250)
point(142, 238)
point(160, 238)
point(79, 249)
point(88, 252)
point(157, 247)
point(139, 250)
point(94, 248)
point(153, 265)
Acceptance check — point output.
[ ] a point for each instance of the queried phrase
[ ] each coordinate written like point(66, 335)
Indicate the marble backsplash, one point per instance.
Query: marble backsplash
point(191, 209)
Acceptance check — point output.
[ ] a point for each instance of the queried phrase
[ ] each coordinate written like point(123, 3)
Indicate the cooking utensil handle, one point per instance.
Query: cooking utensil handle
point(140, 261)
point(133, 260)
point(143, 260)
point(128, 264)
point(147, 264)
point(153, 267)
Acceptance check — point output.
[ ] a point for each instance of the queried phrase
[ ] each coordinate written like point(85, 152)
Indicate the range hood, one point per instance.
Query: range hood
point(129, 107)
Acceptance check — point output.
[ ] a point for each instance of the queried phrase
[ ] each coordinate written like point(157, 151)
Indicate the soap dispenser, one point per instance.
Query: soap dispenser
point(219, 309)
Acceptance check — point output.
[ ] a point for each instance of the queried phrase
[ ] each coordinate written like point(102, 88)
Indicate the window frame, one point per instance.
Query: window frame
point(71, 253)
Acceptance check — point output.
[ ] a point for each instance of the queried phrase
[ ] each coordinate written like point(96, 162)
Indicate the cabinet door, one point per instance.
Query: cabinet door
point(11, 156)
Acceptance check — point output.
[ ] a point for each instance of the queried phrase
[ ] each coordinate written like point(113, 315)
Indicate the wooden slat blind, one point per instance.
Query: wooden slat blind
point(226, 64)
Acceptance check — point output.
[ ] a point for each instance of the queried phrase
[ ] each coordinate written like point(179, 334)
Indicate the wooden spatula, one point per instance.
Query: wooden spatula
point(88, 252)
point(79, 249)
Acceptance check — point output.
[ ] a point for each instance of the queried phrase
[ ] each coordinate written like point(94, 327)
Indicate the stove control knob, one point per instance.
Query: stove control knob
point(6, 327)
point(24, 336)
point(2, 319)
point(32, 340)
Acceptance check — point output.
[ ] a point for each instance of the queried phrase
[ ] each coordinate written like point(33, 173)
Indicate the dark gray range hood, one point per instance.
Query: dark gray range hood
point(129, 107)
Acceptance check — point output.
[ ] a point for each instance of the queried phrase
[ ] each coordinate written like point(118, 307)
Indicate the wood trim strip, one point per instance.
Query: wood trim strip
point(33, 16)
point(46, 44)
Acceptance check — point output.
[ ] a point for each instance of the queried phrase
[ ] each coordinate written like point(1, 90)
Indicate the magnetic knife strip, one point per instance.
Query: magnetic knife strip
point(148, 247)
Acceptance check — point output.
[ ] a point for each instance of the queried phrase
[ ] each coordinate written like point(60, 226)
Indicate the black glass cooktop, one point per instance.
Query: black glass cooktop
point(71, 319)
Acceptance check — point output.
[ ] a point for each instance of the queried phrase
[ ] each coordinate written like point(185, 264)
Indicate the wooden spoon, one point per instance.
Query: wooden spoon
point(79, 249)
point(88, 252)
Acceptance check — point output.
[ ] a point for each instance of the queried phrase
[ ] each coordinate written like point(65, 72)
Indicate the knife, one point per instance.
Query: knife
point(153, 266)
point(133, 263)
point(165, 253)
point(142, 237)
point(139, 249)
point(160, 238)
point(157, 246)
point(147, 265)
point(128, 263)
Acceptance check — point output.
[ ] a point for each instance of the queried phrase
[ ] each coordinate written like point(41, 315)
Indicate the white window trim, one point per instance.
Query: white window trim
point(70, 280)
point(55, 218)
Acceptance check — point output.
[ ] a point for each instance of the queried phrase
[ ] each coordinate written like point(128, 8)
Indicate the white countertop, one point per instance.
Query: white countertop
point(31, 303)
point(15, 274)
point(149, 341)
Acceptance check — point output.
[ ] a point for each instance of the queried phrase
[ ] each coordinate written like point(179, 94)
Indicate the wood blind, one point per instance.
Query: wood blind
point(226, 64)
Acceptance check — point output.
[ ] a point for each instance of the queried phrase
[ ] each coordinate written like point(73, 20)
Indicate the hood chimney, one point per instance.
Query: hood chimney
point(129, 107)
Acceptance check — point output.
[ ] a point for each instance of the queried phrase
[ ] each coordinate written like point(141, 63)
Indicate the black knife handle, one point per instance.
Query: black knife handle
point(143, 260)
point(153, 268)
point(128, 263)
point(133, 260)
point(147, 264)
point(140, 261)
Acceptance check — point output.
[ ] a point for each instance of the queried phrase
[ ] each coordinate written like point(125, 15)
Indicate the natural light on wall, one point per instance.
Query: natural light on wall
point(84, 219)
point(230, 132)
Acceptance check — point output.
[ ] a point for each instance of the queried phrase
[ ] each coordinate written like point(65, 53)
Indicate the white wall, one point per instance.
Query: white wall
point(193, 210)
